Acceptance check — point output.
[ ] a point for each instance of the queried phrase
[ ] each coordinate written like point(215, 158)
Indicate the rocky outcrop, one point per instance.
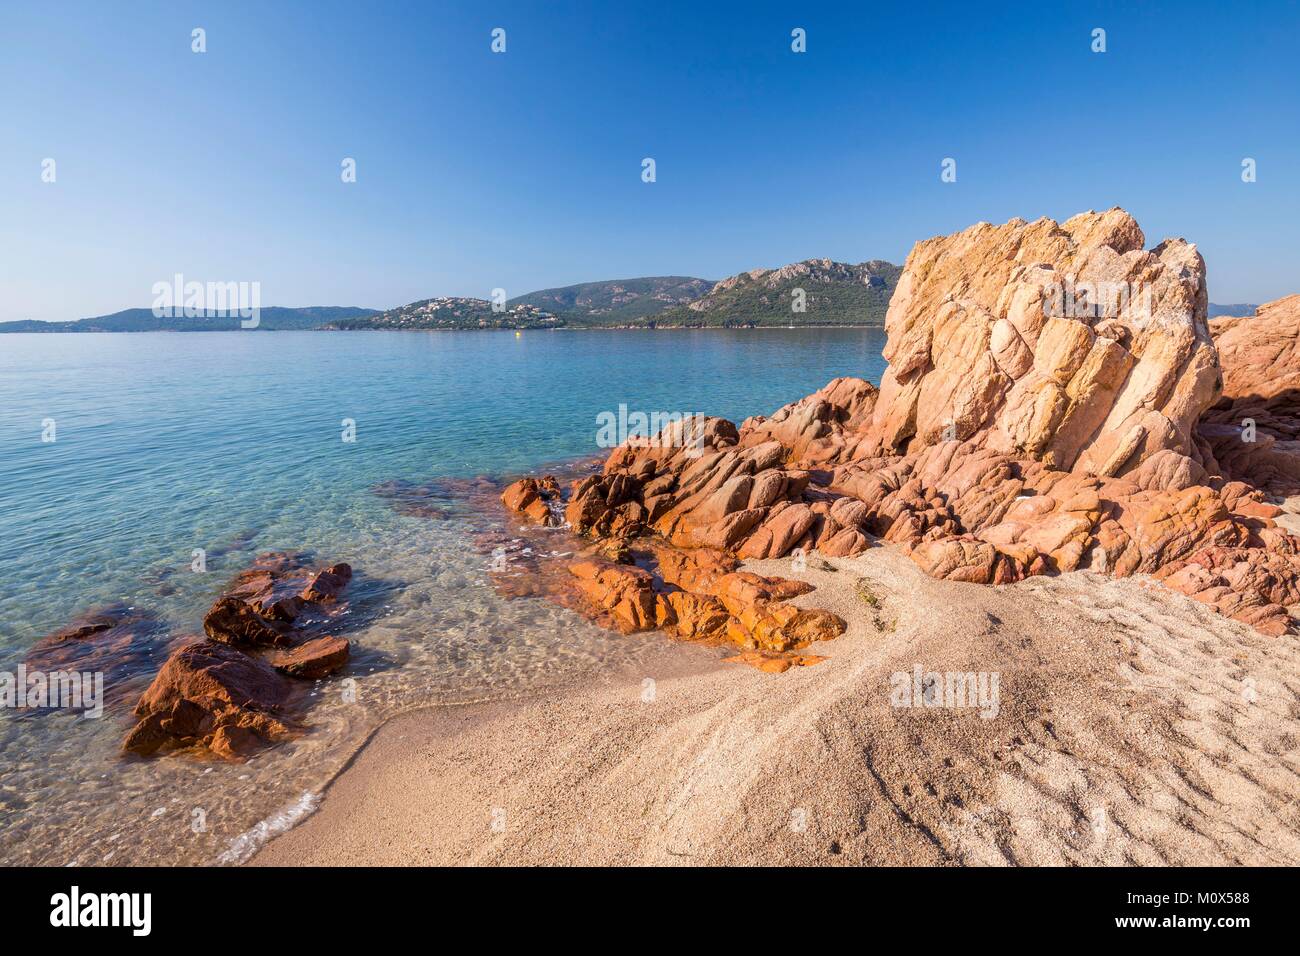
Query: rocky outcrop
point(1040, 414)
point(226, 695)
point(1064, 343)
point(214, 697)
point(532, 497)
point(1253, 432)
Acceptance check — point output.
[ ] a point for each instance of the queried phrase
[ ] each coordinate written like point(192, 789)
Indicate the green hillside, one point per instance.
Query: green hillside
point(143, 320)
point(453, 312)
point(833, 293)
point(616, 301)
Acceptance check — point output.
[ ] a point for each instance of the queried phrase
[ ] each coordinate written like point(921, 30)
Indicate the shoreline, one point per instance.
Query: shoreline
point(1123, 737)
point(575, 328)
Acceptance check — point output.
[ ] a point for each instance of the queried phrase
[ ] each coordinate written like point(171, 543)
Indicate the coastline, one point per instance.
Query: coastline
point(1125, 734)
point(570, 328)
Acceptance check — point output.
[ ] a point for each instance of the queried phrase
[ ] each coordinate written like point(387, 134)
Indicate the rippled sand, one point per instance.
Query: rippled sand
point(1133, 726)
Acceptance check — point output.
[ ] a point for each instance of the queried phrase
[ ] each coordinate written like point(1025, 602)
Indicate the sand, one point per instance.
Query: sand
point(1132, 726)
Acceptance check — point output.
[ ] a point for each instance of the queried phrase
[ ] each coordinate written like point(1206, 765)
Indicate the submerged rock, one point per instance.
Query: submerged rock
point(440, 498)
point(117, 640)
point(221, 694)
point(312, 659)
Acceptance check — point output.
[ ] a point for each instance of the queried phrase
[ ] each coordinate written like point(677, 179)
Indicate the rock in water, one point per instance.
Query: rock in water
point(233, 621)
point(220, 694)
point(212, 696)
point(312, 659)
point(532, 498)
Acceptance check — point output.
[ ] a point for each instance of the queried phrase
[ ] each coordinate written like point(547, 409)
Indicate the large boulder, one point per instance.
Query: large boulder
point(210, 696)
point(1065, 343)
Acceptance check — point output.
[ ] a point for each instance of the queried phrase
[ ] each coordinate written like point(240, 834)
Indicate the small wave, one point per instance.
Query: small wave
point(250, 841)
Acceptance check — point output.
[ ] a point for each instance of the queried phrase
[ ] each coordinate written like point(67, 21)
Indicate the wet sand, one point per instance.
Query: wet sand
point(1133, 726)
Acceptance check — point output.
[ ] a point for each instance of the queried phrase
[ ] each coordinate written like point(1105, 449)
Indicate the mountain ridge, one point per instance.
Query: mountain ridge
point(616, 300)
point(832, 294)
point(812, 292)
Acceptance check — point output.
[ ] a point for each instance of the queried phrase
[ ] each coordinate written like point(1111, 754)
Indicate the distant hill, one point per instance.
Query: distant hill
point(272, 318)
point(616, 301)
point(1234, 310)
point(453, 312)
point(834, 293)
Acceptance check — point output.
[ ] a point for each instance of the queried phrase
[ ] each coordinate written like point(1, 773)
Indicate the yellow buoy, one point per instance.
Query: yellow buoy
point(518, 334)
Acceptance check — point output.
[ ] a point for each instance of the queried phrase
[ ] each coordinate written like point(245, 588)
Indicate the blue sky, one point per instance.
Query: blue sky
point(523, 170)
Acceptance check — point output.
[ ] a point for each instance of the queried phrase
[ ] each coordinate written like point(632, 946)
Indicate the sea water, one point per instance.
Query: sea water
point(125, 456)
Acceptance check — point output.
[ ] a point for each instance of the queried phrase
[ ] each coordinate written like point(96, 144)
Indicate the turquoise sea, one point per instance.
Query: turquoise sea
point(233, 443)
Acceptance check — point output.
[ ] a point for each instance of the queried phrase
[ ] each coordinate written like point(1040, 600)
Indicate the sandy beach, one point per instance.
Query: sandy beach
point(1131, 726)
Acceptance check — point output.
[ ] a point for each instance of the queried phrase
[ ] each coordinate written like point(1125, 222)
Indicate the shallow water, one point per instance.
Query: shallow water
point(233, 443)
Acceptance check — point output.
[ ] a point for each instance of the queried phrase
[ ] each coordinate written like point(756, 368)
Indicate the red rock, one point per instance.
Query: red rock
point(231, 621)
point(693, 570)
point(777, 536)
point(774, 663)
point(318, 657)
point(532, 497)
point(264, 602)
point(953, 559)
point(699, 617)
point(210, 694)
point(625, 594)
point(326, 585)
point(823, 427)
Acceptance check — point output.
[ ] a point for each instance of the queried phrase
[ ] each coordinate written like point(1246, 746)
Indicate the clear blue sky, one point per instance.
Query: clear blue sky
point(522, 170)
